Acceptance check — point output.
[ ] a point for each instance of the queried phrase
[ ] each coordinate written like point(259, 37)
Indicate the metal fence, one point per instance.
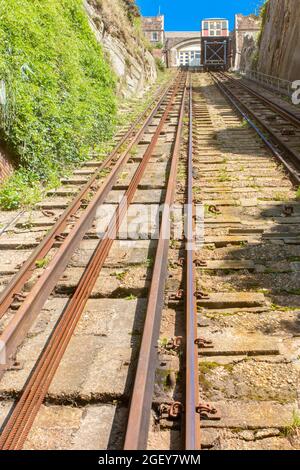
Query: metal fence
point(273, 83)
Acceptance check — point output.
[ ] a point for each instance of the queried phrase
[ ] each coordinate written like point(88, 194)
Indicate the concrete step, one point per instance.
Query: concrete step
point(232, 300)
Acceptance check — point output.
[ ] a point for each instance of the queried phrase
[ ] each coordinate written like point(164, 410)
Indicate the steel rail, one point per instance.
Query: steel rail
point(20, 421)
point(18, 327)
point(10, 223)
point(274, 106)
point(25, 272)
point(295, 156)
point(141, 400)
point(192, 418)
point(233, 100)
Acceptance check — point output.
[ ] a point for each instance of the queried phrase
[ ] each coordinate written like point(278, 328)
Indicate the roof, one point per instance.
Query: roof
point(153, 17)
point(211, 19)
point(178, 34)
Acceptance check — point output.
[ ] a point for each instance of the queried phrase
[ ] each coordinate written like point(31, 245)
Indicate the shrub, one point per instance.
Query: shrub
point(160, 64)
point(60, 98)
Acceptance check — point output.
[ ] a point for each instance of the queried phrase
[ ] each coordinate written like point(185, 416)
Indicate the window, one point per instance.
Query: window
point(216, 27)
point(189, 58)
point(154, 36)
point(212, 29)
point(205, 25)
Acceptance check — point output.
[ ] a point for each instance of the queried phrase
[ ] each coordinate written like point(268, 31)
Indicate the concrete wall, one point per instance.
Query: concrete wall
point(279, 52)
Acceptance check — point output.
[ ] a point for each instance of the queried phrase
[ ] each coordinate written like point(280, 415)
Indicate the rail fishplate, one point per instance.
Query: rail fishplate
point(176, 295)
point(214, 209)
point(288, 211)
point(200, 263)
point(174, 344)
point(201, 295)
point(288, 132)
point(170, 410)
point(203, 343)
point(208, 411)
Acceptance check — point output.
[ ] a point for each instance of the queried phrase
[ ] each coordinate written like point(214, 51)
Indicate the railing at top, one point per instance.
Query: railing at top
point(274, 83)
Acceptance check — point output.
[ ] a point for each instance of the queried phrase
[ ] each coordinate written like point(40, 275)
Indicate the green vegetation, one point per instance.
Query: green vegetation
point(160, 64)
point(294, 427)
point(294, 258)
point(133, 11)
point(137, 24)
point(223, 176)
point(244, 123)
point(281, 197)
point(164, 342)
point(23, 188)
point(298, 193)
point(120, 275)
point(280, 308)
point(292, 291)
point(42, 263)
point(263, 16)
point(149, 262)
point(60, 102)
point(206, 366)
point(131, 297)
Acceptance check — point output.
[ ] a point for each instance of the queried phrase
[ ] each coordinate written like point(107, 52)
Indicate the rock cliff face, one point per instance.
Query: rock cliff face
point(245, 35)
point(249, 50)
point(279, 52)
point(122, 40)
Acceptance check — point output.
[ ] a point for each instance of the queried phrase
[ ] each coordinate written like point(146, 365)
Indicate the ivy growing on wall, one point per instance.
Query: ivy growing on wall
point(57, 92)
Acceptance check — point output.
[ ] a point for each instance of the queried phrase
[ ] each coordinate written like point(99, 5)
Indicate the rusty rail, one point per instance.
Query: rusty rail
point(20, 421)
point(25, 272)
point(238, 104)
point(192, 417)
point(285, 113)
point(32, 304)
point(140, 407)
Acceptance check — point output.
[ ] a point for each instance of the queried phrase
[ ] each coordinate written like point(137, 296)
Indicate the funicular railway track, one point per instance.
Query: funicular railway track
point(115, 161)
point(247, 181)
point(216, 301)
point(281, 124)
point(191, 413)
point(20, 421)
point(190, 409)
point(139, 416)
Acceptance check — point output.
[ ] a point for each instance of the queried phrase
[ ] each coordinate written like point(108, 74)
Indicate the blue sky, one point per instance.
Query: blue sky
point(185, 15)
